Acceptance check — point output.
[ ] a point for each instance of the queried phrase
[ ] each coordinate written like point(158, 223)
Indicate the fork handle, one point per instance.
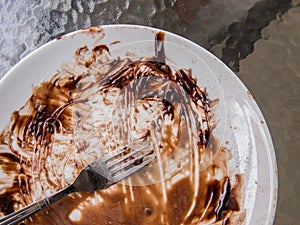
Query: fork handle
point(22, 214)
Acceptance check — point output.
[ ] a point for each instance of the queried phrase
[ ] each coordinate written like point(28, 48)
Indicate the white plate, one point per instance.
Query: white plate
point(241, 126)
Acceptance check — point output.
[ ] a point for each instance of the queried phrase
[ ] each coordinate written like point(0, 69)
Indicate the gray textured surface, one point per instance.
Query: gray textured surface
point(272, 73)
point(258, 38)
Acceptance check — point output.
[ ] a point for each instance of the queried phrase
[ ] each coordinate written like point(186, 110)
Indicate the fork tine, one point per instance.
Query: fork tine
point(133, 152)
point(119, 151)
point(123, 164)
point(127, 172)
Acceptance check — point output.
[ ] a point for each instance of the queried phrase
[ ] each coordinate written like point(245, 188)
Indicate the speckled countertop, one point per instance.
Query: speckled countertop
point(257, 39)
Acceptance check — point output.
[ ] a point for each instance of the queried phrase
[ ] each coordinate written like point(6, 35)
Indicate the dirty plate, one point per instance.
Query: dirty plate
point(240, 125)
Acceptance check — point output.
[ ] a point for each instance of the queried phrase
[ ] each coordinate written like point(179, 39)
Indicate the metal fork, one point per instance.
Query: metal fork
point(100, 174)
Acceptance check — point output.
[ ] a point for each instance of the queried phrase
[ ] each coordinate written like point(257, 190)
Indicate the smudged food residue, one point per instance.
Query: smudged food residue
point(116, 101)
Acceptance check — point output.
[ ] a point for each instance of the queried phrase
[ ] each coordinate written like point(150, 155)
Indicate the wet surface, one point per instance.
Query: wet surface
point(257, 39)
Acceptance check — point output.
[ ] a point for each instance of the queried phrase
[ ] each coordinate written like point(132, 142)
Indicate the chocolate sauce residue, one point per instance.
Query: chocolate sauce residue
point(115, 42)
point(182, 78)
point(59, 38)
point(46, 144)
point(160, 55)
